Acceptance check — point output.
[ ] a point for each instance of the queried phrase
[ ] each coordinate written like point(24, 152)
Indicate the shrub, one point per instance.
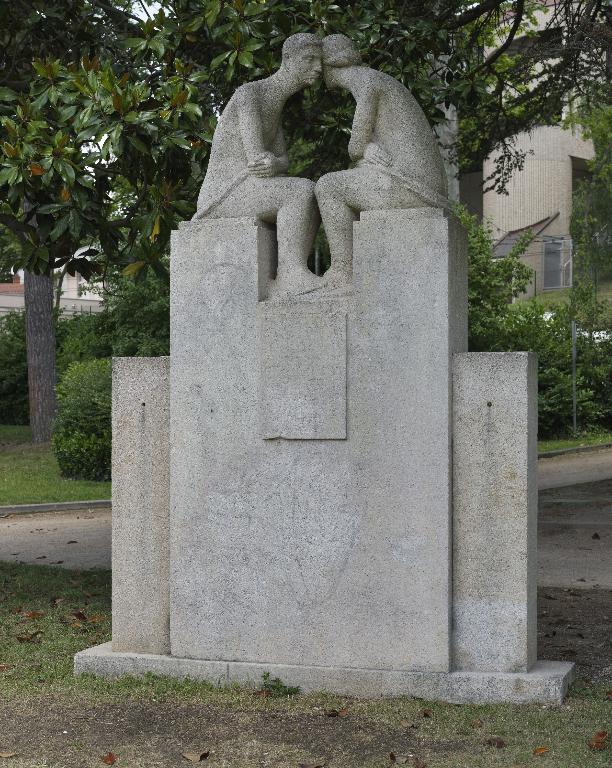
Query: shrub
point(82, 337)
point(82, 435)
point(14, 407)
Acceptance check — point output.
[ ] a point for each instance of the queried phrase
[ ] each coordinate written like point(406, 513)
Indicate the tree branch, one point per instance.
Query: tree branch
point(17, 227)
point(518, 18)
point(474, 13)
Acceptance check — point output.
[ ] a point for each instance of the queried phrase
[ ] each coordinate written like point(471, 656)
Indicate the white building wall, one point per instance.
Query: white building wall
point(543, 187)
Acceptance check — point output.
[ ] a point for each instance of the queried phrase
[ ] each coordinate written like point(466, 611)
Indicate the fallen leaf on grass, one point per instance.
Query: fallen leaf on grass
point(477, 723)
point(195, 757)
point(8, 754)
point(57, 600)
point(4, 667)
point(337, 712)
point(33, 637)
point(32, 614)
point(609, 695)
point(427, 713)
point(599, 740)
point(96, 618)
point(109, 759)
point(496, 742)
point(262, 692)
point(541, 750)
point(79, 615)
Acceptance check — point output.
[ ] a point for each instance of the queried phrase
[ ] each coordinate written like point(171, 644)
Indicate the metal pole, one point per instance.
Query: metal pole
point(574, 375)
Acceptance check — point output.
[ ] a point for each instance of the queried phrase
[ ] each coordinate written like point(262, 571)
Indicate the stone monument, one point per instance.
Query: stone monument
point(318, 483)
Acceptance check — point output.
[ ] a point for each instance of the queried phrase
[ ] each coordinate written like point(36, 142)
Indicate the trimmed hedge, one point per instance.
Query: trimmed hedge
point(82, 435)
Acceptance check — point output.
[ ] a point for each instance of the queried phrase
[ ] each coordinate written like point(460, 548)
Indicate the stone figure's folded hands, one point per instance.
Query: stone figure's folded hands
point(376, 155)
point(265, 165)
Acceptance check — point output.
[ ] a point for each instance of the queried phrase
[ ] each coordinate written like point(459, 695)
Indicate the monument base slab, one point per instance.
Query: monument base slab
point(545, 683)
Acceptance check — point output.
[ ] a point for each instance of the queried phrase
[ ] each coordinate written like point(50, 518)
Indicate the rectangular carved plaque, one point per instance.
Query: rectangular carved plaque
point(302, 378)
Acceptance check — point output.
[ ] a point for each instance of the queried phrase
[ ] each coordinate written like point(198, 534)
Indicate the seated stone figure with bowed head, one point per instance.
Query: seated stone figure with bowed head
point(397, 163)
point(248, 162)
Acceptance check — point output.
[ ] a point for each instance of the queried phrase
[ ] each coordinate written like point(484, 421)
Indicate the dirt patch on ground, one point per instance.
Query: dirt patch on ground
point(157, 735)
point(576, 625)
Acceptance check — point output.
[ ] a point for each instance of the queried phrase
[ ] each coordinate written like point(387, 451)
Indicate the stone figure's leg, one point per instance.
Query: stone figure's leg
point(289, 203)
point(297, 223)
point(342, 196)
point(338, 218)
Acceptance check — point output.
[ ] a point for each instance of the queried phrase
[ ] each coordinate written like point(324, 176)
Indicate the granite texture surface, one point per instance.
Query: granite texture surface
point(302, 352)
point(495, 511)
point(316, 551)
point(247, 169)
point(141, 504)
point(396, 159)
point(546, 683)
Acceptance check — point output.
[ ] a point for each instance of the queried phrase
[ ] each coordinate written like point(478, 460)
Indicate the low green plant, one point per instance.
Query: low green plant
point(82, 435)
point(274, 686)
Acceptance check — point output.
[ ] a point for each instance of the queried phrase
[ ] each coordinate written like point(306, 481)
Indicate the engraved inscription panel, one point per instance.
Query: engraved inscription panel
point(302, 376)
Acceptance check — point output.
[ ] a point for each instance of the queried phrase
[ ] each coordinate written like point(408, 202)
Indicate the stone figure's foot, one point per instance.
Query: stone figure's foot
point(299, 281)
point(337, 277)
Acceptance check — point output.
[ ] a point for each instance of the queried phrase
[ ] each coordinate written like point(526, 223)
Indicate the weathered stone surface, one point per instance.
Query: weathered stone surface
point(397, 162)
point(302, 378)
point(141, 504)
point(316, 552)
point(495, 511)
point(246, 173)
point(545, 683)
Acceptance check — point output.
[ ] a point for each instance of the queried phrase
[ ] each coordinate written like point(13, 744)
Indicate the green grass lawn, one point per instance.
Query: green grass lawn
point(29, 474)
point(51, 719)
point(600, 438)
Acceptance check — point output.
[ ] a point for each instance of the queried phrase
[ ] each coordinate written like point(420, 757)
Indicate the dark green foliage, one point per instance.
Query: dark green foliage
point(134, 321)
point(82, 435)
point(136, 317)
point(14, 407)
point(492, 283)
point(497, 325)
point(82, 337)
point(529, 326)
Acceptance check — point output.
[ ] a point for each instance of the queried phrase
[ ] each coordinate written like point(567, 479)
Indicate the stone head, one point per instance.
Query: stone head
point(301, 58)
point(339, 52)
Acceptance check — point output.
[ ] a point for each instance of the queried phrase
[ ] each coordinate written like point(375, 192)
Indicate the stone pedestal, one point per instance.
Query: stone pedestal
point(311, 475)
point(310, 509)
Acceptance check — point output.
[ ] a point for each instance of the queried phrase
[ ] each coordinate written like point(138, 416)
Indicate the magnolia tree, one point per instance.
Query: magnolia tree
point(105, 137)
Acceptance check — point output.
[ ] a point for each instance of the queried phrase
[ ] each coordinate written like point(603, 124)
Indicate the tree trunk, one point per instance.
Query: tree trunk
point(40, 342)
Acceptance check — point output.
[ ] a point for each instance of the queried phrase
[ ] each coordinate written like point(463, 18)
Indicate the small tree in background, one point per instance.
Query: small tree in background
point(492, 283)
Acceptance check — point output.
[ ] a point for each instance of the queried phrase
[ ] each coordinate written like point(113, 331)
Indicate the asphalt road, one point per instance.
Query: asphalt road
point(574, 538)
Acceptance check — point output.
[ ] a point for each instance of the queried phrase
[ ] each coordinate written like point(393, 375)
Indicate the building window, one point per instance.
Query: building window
point(557, 263)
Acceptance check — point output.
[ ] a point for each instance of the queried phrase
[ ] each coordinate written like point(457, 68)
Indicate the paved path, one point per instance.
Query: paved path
point(573, 468)
point(79, 539)
point(575, 536)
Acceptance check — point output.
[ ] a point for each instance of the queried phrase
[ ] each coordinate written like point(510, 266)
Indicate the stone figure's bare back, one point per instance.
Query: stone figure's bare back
point(399, 126)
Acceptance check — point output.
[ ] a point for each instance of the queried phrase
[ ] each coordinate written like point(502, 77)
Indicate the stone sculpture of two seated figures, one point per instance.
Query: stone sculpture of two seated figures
point(395, 157)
